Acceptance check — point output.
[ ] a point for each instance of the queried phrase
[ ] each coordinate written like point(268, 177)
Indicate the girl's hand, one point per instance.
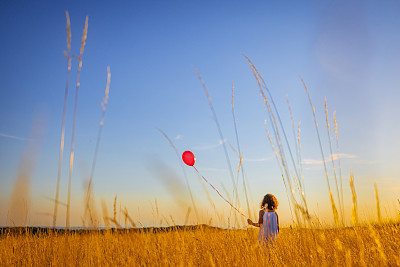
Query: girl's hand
point(250, 222)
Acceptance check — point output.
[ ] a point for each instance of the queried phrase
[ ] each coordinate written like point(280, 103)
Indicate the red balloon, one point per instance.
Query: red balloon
point(189, 158)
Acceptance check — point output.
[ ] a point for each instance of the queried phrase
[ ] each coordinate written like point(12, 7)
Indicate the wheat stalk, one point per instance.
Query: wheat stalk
point(240, 165)
point(187, 215)
point(274, 118)
point(334, 210)
point(115, 208)
point(129, 218)
point(293, 130)
point(105, 214)
point(240, 157)
point(299, 180)
point(115, 222)
point(71, 159)
point(158, 214)
point(338, 158)
point(239, 153)
point(67, 55)
point(354, 212)
point(280, 167)
point(172, 219)
point(228, 161)
point(303, 193)
point(262, 85)
point(332, 160)
point(271, 115)
point(378, 208)
point(104, 106)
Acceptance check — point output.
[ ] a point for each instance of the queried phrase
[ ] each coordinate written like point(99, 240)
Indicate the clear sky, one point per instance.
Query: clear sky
point(346, 51)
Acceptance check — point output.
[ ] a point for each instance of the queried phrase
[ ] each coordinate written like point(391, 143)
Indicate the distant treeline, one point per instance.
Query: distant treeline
point(49, 230)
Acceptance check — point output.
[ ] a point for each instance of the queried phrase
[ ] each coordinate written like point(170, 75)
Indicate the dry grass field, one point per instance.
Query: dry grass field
point(205, 246)
point(367, 244)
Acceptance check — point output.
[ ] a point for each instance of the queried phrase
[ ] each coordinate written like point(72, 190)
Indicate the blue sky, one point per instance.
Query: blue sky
point(345, 51)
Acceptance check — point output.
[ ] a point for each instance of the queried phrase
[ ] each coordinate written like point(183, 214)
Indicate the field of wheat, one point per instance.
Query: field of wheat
point(301, 244)
point(203, 246)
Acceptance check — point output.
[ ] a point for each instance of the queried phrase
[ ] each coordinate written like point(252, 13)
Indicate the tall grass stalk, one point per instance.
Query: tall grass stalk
point(157, 210)
point(398, 200)
point(228, 161)
point(295, 139)
point(115, 208)
point(105, 214)
point(240, 154)
point(184, 172)
point(187, 216)
point(293, 130)
point(237, 203)
point(274, 117)
point(262, 85)
point(244, 183)
point(71, 159)
point(279, 147)
point(334, 210)
point(333, 162)
point(354, 210)
point(378, 207)
point(68, 56)
point(280, 167)
point(96, 151)
point(338, 158)
point(300, 179)
point(299, 149)
point(305, 210)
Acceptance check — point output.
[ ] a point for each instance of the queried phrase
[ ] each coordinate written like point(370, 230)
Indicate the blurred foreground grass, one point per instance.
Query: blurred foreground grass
point(204, 246)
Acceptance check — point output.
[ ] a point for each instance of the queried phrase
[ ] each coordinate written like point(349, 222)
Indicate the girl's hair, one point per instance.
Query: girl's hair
point(271, 201)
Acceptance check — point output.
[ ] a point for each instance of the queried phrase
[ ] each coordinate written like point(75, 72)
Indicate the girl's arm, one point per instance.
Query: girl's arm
point(260, 219)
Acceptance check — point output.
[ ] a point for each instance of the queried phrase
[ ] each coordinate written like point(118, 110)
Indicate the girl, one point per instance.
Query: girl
point(268, 220)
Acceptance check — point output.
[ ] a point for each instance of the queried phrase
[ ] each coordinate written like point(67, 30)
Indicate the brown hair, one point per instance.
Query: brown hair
point(271, 201)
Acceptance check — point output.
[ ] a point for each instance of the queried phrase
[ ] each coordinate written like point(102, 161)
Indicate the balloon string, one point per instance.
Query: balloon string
point(218, 191)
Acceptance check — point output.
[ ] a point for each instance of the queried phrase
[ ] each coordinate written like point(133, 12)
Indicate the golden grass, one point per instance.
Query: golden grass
point(368, 245)
point(334, 210)
point(359, 246)
point(333, 164)
point(354, 210)
point(378, 208)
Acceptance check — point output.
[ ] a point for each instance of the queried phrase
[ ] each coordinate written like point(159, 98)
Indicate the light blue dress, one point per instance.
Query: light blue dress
point(269, 229)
